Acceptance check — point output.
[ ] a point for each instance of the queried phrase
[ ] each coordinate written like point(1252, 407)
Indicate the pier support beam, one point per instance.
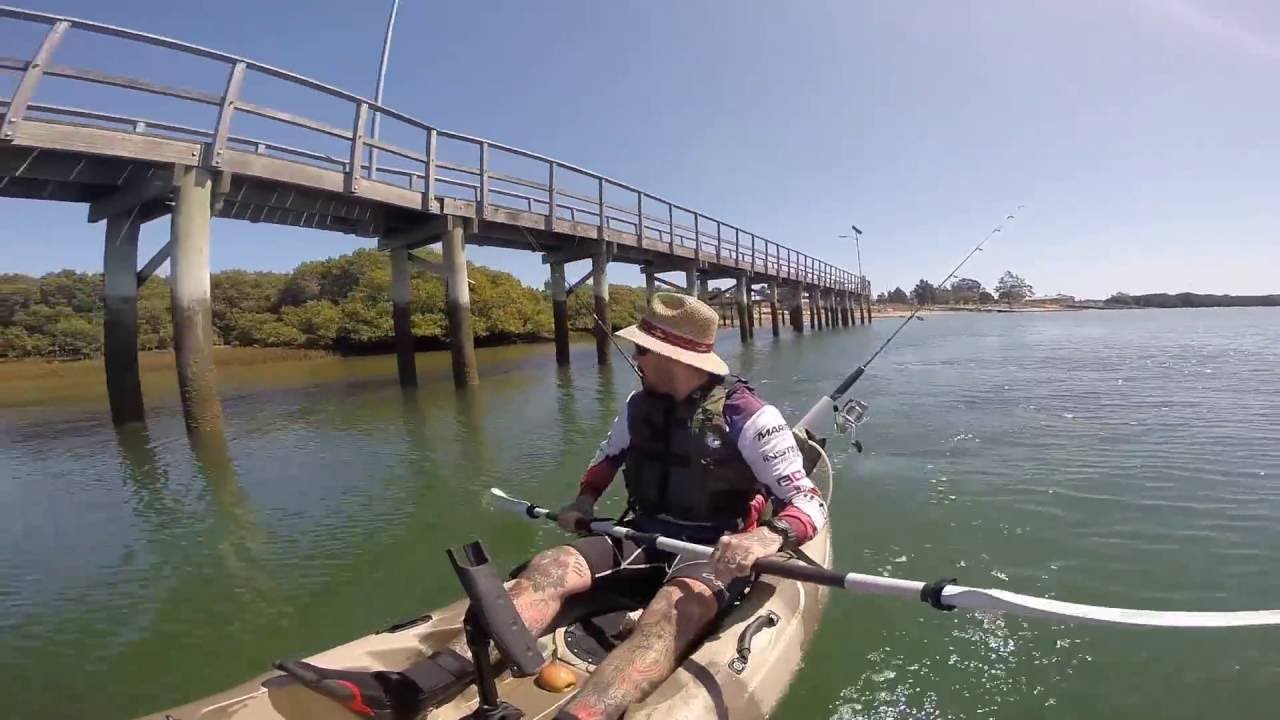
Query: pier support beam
point(691, 281)
point(406, 366)
point(829, 302)
point(457, 307)
point(813, 310)
point(560, 312)
point(744, 315)
point(843, 300)
point(795, 304)
point(868, 306)
point(189, 299)
point(650, 286)
point(120, 326)
point(863, 310)
point(773, 308)
point(600, 290)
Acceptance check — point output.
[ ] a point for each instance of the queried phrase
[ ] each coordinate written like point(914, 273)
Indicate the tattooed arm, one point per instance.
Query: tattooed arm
point(735, 554)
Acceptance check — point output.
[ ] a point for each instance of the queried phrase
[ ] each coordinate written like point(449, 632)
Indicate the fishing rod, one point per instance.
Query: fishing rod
point(941, 594)
point(599, 323)
point(811, 417)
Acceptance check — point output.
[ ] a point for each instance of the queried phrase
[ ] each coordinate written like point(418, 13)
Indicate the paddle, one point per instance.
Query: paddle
point(942, 594)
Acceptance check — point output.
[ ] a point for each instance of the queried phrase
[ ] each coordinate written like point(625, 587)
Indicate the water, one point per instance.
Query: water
point(1125, 458)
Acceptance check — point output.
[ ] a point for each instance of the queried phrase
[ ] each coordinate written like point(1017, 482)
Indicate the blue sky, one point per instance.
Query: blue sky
point(1140, 134)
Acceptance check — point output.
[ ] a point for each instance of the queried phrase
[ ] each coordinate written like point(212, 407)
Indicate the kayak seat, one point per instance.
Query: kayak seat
point(387, 694)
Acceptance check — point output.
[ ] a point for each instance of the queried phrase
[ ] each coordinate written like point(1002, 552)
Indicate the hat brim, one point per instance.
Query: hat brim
point(708, 361)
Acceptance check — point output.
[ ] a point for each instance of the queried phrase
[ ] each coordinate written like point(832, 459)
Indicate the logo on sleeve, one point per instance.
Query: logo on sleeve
point(776, 455)
point(769, 432)
point(792, 478)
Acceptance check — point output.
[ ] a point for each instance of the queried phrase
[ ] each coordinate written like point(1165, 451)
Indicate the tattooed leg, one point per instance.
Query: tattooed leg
point(677, 616)
point(540, 590)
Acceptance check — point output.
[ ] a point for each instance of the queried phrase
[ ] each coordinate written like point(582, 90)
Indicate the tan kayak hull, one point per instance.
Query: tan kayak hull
point(705, 685)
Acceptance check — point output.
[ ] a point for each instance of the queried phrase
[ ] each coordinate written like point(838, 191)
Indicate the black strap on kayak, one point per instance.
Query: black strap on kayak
point(932, 593)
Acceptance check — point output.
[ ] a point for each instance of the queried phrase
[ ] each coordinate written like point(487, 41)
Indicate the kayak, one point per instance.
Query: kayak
point(740, 671)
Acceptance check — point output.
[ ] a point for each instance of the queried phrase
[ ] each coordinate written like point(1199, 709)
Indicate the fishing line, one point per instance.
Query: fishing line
point(811, 417)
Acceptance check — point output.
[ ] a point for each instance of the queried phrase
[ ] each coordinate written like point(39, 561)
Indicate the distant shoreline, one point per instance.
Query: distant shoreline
point(904, 310)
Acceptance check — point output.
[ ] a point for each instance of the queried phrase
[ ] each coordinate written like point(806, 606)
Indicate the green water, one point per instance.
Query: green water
point(1127, 458)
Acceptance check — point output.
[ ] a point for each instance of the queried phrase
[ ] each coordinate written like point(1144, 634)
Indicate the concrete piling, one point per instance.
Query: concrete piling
point(744, 317)
point(120, 325)
point(462, 343)
point(406, 365)
point(773, 308)
point(600, 290)
point(691, 281)
point(560, 312)
point(190, 299)
point(795, 302)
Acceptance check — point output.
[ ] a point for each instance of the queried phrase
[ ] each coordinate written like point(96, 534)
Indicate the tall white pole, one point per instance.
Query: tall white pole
point(382, 77)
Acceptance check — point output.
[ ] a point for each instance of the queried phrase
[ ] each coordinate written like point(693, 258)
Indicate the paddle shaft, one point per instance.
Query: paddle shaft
point(775, 566)
point(942, 594)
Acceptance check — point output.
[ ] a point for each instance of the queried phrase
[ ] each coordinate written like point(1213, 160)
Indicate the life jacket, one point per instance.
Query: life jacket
point(681, 463)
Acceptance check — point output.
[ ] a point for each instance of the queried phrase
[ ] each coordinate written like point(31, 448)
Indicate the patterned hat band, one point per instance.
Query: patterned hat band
point(672, 338)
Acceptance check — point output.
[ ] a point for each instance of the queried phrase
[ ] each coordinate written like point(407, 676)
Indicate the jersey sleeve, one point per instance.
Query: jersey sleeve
point(609, 457)
point(766, 443)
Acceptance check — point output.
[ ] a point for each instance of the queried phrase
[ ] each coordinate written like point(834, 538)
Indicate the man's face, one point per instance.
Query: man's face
point(657, 371)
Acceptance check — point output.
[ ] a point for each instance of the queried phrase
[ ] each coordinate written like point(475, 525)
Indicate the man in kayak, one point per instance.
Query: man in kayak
point(703, 458)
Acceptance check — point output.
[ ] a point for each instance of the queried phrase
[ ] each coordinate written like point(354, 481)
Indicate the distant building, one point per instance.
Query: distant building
point(1051, 299)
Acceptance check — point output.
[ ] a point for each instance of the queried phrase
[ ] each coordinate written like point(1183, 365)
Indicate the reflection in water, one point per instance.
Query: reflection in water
point(607, 394)
point(415, 423)
point(147, 482)
point(145, 471)
point(471, 435)
point(746, 361)
point(566, 403)
point(241, 540)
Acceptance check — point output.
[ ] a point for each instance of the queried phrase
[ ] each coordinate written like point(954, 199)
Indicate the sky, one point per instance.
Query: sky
point(1139, 134)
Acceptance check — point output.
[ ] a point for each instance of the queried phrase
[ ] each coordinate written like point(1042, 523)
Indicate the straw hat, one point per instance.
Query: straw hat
point(680, 327)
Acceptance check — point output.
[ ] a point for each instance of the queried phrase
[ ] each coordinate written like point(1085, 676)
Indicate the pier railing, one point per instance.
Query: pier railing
point(542, 185)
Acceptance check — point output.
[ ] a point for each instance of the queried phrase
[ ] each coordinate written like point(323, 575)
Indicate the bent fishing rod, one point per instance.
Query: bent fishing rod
point(833, 399)
point(941, 594)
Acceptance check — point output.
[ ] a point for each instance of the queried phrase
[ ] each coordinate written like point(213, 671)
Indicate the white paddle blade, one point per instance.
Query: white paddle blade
point(501, 500)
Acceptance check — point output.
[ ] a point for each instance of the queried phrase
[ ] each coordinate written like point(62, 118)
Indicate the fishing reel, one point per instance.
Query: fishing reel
point(848, 417)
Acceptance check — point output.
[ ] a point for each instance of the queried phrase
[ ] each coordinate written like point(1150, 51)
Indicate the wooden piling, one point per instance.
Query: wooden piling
point(560, 312)
point(120, 324)
point(462, 342)
point(190, 306)
point(406, 365)
point(600, 290)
